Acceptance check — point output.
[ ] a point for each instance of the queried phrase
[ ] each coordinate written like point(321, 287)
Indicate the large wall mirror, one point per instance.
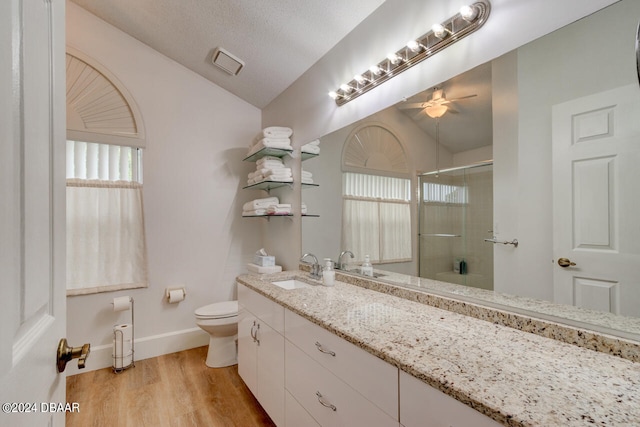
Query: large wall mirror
point(541, 145)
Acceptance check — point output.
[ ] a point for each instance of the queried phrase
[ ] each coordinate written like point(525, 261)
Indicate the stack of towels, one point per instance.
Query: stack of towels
point(272, 137)
point(269, 168)
point(307, 177)
point(269, 206)
point(313, 147)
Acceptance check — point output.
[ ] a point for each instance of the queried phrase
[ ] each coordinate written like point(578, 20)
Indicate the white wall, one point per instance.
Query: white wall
point(197, 136)
point(306, 107)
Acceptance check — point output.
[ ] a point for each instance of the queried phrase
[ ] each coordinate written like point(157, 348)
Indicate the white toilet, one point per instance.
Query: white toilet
point(220, 320)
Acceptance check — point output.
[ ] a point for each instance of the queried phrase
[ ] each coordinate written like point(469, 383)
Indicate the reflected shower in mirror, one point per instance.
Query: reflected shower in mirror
point(510, 110)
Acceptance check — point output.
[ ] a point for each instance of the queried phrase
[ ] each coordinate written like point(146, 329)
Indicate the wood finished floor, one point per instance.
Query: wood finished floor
point(174, 390)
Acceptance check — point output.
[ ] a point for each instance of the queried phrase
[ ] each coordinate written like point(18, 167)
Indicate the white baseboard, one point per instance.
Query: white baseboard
point(144, 348)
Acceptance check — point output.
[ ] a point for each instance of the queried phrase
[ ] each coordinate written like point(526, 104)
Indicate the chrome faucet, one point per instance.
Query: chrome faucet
point(340, 265)
point(315, 267)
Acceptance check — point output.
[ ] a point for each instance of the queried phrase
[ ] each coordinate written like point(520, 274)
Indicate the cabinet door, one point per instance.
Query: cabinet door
point(422, 405)
point(270, 363)
point(247, 367)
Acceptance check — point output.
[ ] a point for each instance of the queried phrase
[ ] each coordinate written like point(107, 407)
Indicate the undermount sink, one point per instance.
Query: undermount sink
point(291, 284)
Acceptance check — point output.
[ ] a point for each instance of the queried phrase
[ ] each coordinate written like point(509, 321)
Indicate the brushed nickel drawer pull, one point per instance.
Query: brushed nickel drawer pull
point(322, 350)
point(326, 405)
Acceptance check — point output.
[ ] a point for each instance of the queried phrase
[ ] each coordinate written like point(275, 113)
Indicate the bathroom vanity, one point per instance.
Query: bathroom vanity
point(348, 355)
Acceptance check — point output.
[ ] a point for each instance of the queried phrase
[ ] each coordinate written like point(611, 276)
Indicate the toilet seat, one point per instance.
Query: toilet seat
point(218, 310)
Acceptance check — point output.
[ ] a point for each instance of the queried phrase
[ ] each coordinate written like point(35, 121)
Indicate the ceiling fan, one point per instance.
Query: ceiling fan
point(435, 107)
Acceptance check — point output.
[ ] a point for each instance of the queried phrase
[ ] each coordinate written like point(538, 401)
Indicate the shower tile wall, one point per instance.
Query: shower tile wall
point(470, 222)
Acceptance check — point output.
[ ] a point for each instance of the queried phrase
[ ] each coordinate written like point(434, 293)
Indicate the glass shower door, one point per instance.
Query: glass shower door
point(455, 216)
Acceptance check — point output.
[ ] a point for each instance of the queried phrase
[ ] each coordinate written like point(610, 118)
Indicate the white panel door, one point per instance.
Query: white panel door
point(596, 197)
point(32, 210)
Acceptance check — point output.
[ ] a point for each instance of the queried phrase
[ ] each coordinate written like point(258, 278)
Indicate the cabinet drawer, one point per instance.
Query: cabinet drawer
point(372, 377)
point(421, 404)
point(268, 311)
point(307, 380)
point(295, 414)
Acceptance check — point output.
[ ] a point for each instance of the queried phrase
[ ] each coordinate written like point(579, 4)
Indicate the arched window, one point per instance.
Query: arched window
point(376, 196)
point(106, 248)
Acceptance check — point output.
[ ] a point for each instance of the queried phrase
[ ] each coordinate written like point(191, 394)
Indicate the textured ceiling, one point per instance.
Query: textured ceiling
point(278, 40)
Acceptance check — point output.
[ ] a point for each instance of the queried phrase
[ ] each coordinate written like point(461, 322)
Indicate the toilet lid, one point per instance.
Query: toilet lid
point(218, 310)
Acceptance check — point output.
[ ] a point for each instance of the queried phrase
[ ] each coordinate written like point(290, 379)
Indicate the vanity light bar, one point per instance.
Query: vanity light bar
point(469, 19)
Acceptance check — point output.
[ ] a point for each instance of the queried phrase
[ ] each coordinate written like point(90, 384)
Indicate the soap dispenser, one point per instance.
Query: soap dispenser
point(328, 274)
point(366, 269)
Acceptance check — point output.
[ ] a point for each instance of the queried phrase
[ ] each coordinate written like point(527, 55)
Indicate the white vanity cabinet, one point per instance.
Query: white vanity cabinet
point(337, 383)
point(261, 350)
point(422, 405)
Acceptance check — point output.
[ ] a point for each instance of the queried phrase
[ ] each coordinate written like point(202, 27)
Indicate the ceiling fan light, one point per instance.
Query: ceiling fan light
point(436, 111)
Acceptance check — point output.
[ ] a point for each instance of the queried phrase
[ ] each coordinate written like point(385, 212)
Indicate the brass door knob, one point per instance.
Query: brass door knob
point(66, 354)
point(565, 262)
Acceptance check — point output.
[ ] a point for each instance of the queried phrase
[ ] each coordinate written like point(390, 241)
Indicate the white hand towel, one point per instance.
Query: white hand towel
point(255, 212)
point(311, 149)
point(278, 172)
point(268, 158)
point(314, 142)
point(276, 210)
point(306, 174)
point(271, 140)
point(260, 203)
point(270, 165)
point(278, 178)
point(277, 130)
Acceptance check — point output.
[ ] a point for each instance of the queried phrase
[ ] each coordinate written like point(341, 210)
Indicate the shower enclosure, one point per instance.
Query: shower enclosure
point(455, 216)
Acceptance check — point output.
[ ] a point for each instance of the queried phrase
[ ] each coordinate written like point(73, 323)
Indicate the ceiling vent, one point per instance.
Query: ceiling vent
point(226, 61)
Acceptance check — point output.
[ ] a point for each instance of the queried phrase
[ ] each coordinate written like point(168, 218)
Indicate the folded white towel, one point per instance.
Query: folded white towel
point(254, 212)
point(273, 131)
point(272, 140)
point(277, 172)
point(278, 178)
point(280, 205)
point(260, 203)
point(268, 158)
point(276, 210)
point(306, 174)
point(311, 149)
point(260, 145)
point(270, 164)
point(307, 180)
point(314, 142)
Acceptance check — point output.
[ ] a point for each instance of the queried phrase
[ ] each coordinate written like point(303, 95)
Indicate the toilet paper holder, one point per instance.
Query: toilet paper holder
point(119, 335)
point(176, 294)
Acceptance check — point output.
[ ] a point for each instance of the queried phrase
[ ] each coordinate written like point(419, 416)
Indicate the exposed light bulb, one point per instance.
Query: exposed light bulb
point(375, 70)
point(468, 13)
point(394, 58)
point(359, 78)
point(413, 45)
point(439, 31)
point(346, 88)
point(333, 94)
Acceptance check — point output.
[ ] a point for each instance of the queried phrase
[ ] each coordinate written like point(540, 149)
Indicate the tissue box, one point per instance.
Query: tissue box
point(264, 261)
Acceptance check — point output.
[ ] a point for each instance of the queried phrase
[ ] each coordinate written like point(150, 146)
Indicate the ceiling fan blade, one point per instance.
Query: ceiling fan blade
point(421, 114)
point(461, 98)
point(411, 105)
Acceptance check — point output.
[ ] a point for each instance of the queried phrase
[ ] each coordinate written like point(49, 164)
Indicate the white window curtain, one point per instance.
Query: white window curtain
point(106, 248)
point(377, 217)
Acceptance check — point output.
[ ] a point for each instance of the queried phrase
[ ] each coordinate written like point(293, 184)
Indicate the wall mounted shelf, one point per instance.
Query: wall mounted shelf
point(267, 151)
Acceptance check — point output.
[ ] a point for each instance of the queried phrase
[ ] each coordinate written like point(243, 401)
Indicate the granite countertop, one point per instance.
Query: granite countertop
point(514, 377)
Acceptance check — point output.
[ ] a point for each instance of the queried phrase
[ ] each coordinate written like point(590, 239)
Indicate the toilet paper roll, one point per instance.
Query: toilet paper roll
point(122, 345)
point(121, 303)
point(176, 295)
